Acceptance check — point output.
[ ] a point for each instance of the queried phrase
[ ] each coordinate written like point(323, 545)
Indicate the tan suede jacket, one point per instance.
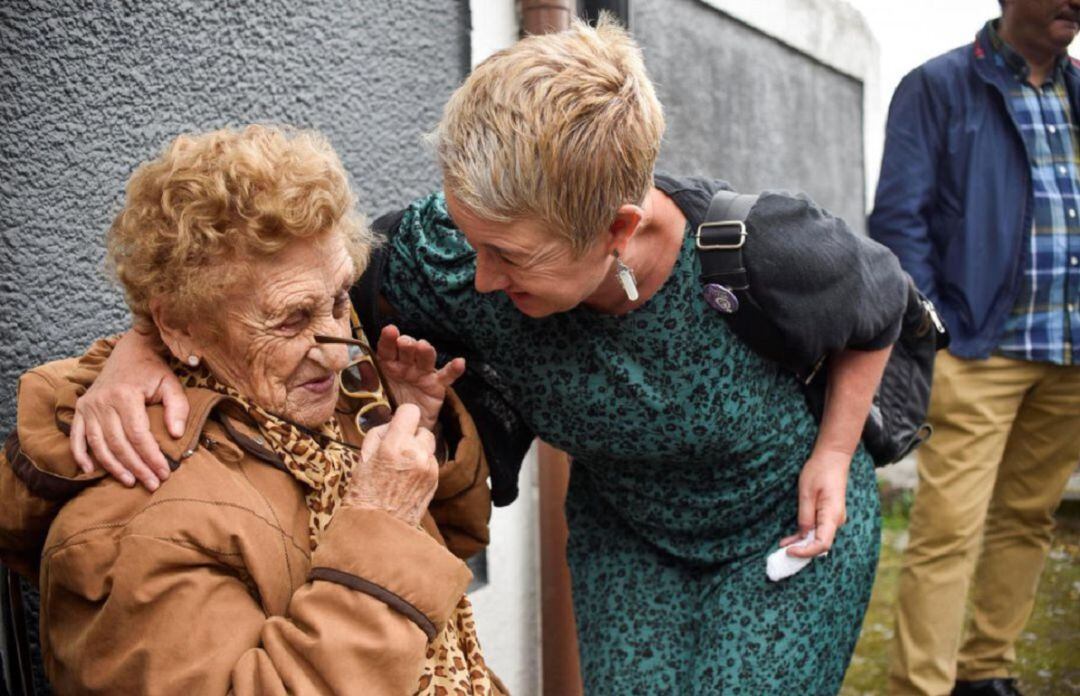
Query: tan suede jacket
point(209, 585)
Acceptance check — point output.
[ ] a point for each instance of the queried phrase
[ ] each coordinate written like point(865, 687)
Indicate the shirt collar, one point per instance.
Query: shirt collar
point(1014, 63)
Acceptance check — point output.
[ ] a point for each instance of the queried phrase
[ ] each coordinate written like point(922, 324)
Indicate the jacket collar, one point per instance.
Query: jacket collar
point(983, 51)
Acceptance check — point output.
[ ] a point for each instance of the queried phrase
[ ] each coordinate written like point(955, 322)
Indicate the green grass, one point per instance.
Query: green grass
point(1048, 652)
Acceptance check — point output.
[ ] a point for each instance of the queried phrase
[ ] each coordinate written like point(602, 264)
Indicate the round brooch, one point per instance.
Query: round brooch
point(721, 298)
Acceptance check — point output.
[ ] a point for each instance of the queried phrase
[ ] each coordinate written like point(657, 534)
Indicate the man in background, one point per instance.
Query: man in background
point(979, 197)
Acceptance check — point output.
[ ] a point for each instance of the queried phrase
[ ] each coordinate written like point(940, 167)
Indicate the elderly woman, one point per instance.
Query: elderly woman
point(556, 259)
point(290, 550)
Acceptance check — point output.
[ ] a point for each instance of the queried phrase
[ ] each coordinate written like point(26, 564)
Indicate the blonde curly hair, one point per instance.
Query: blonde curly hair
point(562, 128)
point(213, 199)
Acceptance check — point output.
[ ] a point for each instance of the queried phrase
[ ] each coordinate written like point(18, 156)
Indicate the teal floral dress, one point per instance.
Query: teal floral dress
point(687, 449)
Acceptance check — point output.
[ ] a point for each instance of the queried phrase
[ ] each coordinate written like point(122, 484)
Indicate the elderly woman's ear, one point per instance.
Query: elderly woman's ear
point(176, 335)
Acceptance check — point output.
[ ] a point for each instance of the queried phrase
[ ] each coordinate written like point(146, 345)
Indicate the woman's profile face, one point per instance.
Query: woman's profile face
point(536, 270)
point(265, 348)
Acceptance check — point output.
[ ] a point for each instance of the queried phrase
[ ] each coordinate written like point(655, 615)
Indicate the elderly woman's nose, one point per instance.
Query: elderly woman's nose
point(332, 356)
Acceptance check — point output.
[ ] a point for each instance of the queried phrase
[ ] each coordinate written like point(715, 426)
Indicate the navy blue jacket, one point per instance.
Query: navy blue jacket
point(954, 201)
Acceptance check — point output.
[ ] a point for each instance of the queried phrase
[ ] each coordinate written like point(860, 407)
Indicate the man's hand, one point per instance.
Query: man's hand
point(409, 368)
point(110, 419)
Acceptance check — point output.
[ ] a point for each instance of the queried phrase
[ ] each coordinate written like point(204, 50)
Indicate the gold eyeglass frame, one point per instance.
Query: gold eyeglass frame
point(373, 399)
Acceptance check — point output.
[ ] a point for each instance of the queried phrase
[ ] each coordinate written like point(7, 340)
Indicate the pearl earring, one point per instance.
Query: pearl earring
point(193, 360)
point(625, 274)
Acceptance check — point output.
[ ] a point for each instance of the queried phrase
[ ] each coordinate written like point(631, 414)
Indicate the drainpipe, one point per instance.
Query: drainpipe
point(559, 649)
point(545, 16)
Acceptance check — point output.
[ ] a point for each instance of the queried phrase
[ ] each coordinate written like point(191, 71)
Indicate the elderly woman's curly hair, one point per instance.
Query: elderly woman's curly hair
point(222, 197)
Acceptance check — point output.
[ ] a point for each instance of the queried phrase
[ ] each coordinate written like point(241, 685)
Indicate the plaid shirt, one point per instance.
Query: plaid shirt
point(1045, 321)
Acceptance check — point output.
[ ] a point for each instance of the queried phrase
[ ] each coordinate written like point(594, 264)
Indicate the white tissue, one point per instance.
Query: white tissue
point(780, 565)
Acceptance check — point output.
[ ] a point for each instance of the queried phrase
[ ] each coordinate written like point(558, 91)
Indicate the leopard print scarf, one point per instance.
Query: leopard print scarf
point(322, 467)
point(454, 663)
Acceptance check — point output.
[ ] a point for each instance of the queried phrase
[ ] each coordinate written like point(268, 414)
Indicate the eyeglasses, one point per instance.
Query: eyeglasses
point(362, 384)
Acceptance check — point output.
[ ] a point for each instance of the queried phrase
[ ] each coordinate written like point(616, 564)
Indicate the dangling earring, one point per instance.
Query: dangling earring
point(193, 360)
point(626, 278)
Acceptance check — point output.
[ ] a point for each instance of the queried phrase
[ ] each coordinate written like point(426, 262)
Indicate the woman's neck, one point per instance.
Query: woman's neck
point(651, 253)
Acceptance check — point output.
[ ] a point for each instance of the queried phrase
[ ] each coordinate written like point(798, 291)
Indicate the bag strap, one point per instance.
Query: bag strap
point(720, 240)
point(365, 292)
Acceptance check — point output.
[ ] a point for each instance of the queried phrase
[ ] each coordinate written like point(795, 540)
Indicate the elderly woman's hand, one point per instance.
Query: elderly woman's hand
point(409, 368)
point(398, 472)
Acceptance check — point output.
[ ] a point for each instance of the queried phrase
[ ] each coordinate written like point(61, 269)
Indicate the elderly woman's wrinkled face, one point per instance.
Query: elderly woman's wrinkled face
point(265, 348)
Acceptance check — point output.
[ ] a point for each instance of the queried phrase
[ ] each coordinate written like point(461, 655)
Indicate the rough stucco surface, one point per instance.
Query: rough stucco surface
point(88, 90)
point(743, 107)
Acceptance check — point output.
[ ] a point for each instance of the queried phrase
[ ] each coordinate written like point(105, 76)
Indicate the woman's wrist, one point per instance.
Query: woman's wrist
point(835, 455)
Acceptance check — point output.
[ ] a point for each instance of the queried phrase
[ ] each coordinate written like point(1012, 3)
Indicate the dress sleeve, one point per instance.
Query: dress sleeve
point(825, 286)
point(428, 278)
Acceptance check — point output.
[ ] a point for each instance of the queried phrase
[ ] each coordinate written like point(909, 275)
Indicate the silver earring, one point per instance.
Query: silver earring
point(625, 274)
point(193, 360)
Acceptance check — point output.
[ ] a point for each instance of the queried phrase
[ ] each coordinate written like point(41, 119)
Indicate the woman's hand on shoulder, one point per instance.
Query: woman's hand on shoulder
point(409, 368)
point(111, 418)
point(398, 472)
point(822, 502)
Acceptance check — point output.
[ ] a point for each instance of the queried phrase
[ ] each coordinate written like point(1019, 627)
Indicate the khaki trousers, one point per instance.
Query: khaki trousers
point(1006, 439)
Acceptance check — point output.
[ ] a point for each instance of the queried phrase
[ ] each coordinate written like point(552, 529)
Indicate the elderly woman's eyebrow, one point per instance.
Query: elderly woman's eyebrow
point(309, 302)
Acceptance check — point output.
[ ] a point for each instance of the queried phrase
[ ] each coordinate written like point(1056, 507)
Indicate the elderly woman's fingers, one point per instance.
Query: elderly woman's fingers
point(96, 440)
point(426, 440)
point(402, 426)
point(451, 371)
point(371, 442)
point(424, 357)
point(398, 473)
point(406, 353)
point(121, 450)
point(387, 348)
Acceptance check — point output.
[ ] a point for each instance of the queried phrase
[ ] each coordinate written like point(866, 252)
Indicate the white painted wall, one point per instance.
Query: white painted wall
point(495, 25)
point(508, 608)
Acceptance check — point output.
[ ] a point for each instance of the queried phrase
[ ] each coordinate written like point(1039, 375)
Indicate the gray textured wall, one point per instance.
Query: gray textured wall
point(743, 107)
point(90, 89)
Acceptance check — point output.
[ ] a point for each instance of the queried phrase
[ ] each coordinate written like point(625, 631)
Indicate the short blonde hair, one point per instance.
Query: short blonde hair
point(222, 197)
point(564, 128)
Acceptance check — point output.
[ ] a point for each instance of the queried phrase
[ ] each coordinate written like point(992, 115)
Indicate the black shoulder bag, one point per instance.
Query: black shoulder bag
point(897, 421)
